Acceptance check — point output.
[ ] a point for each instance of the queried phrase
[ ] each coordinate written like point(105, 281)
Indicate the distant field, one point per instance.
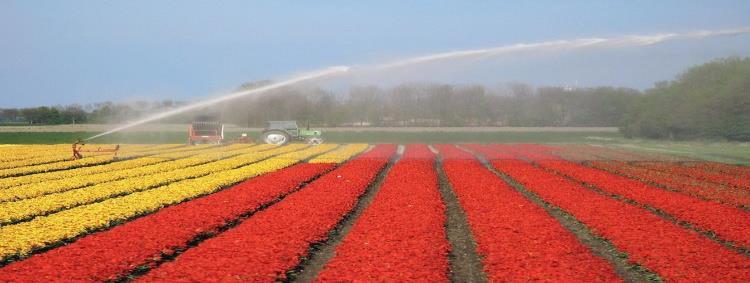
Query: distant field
point(730, 152)
point(337, 136)
point(233, 128)
point(177, 134)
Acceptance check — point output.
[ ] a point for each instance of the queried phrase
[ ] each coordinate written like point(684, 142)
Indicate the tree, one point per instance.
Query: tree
point(711, 100)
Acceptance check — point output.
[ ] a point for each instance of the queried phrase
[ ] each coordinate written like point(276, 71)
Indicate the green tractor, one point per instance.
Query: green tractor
point(282, 132)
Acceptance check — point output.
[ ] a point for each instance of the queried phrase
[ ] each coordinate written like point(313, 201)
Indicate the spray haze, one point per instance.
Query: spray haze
point(301, 78)
point(348, 72)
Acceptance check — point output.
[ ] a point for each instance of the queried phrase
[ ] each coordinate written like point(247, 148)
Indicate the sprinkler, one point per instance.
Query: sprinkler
point(78, 149)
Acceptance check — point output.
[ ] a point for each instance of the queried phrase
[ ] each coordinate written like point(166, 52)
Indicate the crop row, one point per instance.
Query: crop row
point(161, 150)
point(266, 245)
point(62, 151)
point(150, 157)
point(698, 173)
point(727, 222)
point(683, 184)
point(401, 235)
point(57, 175)
point(56, 154)
point(664, 247)
point(20, 152)
point(588, 152)
point(35, 160)
point(55, 166)
point(86, 161)
point(341, 154)
point(43, 231)
point(56, 186)
point(516, 238)
point(734, 170)
point(139, 242)
point(709, 180)
point(161, 174)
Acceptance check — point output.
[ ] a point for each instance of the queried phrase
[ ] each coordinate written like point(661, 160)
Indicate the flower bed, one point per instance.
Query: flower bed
point(24, 237)
point(516, 238)
point(119, 250)
point(671, 251)
point(401, 235)
point(266, 245)
point(729, 223)
point(683, 184)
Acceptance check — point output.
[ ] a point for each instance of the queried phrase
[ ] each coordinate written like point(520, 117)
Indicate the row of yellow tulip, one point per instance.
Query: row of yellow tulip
point(151, 147)
point(341, 154)
point(87, 161)
point(162, 156)
point(56, 175)
point(58, 159)
point(27, 208)
point(308, 153)
point(151, 151)
point(35, 161)
point(40, 154)
point(22, 238)
point(10, 152)
point(19, 153)
point(55, 166)
point(56, 186)
point(30, 147)
point(43, 159)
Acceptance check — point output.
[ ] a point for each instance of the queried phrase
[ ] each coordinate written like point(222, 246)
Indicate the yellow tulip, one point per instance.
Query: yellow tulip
point(24, 237)
point(341, 154)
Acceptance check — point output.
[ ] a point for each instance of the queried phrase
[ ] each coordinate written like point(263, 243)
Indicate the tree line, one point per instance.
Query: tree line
point(707, 101)
point(404, 105)
point(97, 113)
point(437, 105)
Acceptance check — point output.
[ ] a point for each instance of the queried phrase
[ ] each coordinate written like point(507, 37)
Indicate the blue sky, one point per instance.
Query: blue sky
point(61, 52)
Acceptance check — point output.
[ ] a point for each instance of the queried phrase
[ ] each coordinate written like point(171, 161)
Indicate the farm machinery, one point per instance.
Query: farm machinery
point(206, 129)
point(282, 132)
point(78, 148)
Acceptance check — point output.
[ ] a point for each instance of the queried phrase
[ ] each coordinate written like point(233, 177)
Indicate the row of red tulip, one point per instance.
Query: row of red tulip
point(400, 236)
point(113, 253)
point(699, 173)
point(516, 238)
point(679, 183)
point(673, 252)
point(728, 222)
point(274, 240)
point(730, 169)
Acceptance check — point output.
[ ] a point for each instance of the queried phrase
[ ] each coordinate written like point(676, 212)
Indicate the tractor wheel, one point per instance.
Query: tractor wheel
point(314, 140)
point(276, 137)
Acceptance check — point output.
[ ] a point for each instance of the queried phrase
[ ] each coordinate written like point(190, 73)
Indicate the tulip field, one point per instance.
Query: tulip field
point(370, 213)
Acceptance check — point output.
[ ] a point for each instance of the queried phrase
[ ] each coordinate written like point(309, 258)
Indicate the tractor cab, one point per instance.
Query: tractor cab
point(282, 132)
point(288, 126)
point(206, 129)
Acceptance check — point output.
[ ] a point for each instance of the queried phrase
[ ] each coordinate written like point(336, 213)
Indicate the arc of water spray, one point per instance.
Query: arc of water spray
point(301, 78)
point(623, 41)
